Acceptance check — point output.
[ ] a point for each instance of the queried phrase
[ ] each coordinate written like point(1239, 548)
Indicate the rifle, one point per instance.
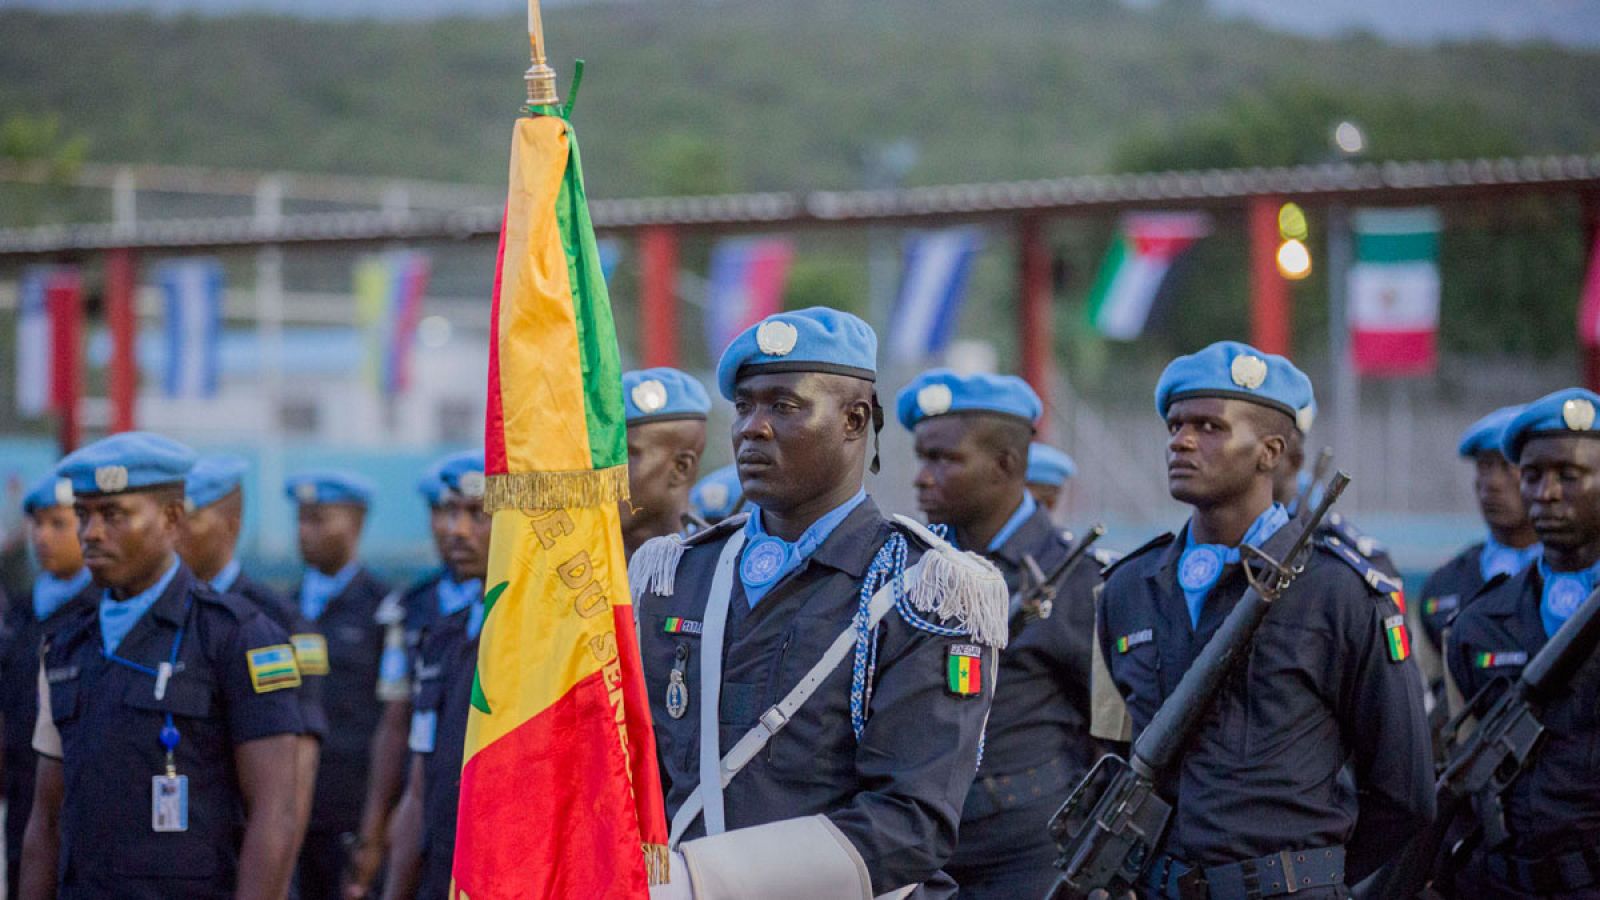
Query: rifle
point(1038, 599)
point(1111, 826)
point(1486, 762)
point(1319, 469)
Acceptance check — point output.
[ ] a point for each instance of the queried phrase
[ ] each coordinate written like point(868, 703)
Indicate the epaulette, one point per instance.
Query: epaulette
point(1353, 537)
point(654, 566)
point(1105, 557)
point(1155, 543)
point(955, 586)
point(1376, 580)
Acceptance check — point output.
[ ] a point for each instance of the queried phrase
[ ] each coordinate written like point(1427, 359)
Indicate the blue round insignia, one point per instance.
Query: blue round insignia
point(763, 562)
point(1563, 595)
point(1199, 568)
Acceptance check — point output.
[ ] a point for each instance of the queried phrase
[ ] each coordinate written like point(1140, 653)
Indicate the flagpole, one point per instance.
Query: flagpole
point(540, 78)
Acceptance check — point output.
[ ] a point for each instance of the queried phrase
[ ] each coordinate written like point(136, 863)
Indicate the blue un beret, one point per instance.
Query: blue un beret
point(213, 478)
point(817, 339)
point(938, 392)
point(329, 486)
point(1236, 371)
point(1484, 434)
point(663, 395)
point(1047, 465)
point(717, 495)
point(130, 461)
point(1566, 412)
point(431, 484)
point(50, 491)
point(463, 473)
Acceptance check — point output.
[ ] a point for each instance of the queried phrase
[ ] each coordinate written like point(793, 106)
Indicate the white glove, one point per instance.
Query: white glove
point(677, 886)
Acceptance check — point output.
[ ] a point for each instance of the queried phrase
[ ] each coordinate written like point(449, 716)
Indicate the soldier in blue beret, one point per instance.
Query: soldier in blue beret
point(1511, 545)
point(718, 495)
point(849, 784)
point(1048, 472)
point(666, 412)
point(425, 820)
point(166, 714)
point(1551, 842)
point(341, 599)
point(59, 592)
point(972, 437)
point(214, 497)
point(1318, 748)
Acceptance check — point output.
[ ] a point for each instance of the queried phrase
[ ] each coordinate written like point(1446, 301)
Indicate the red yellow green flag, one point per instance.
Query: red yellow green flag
point(559, 790)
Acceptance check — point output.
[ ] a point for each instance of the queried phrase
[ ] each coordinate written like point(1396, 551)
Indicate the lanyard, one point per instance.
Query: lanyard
point(162, 675)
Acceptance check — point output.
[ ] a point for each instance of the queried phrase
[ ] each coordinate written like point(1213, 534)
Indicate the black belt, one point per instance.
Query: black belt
point(996, 793)
point(1274, 875)
point(1551, 874)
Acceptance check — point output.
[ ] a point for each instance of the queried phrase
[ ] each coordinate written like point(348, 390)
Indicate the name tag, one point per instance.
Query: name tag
point(169, 803)
point(676, 625)
point(1435, 605)
point(60, 674)
point(1129, 641)
point(1496, 659)
point(424, 723)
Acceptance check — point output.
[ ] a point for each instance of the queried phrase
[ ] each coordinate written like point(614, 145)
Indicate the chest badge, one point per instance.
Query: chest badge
point(763, 561)
point(311, 652)
point(677, 625)
point(964, 670)
point(1199, 568)
point(1129, 641)
point(677, 695)
point(1495, 659)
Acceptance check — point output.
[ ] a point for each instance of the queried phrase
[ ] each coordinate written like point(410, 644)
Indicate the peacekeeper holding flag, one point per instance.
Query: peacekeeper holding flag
point(849, 782)
point(168, 715)
point(1327, 692)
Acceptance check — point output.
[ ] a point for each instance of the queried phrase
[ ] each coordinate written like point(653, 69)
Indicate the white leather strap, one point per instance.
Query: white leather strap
point(716, 625)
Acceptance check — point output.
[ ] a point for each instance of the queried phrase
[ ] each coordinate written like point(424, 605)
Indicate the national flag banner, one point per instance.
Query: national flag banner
point(1589, 301)
point(191, 295)
point(1394, 292)
point(560, 790)
point(1134, 272)
point(389, 291)
point(610, 255)
point(933, 283)
point(747, 278)
point(33, 372)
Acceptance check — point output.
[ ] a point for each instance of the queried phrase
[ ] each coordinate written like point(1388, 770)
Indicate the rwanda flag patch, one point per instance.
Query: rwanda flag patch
point(965, 670)
point(310, 653)
point(1399, 640)
point(272, 668)
point(675, 625)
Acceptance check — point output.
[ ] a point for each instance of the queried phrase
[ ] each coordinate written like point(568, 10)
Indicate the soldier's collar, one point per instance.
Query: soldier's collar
point(1035, 534)
point(170, 605)
point(852, 545)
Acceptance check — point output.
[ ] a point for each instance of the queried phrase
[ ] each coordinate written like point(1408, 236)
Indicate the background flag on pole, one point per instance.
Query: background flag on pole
point(1135, 269)
point(191, 292)
point(746, 285)
point(610, 255)
point(34, 374)
point(1394, 292)
point(933, 283)
point(1589, 317)
point(560, 791)
point(389, 292)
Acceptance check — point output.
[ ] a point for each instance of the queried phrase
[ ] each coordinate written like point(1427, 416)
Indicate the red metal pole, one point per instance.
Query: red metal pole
point(658, 296)
point(1035, 336)
point(1269, 292)
point(64, 297)
point(122, 382)
point(1589, 205)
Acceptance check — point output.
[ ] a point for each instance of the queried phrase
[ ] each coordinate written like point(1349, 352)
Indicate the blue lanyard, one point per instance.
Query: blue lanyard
point(162, 674)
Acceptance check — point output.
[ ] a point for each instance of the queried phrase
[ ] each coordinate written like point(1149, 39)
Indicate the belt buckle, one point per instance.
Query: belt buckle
point(1286, 861)
point(773, 720)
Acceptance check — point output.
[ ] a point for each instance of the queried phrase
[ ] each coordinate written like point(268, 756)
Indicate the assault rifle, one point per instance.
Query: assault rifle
point(1486, 762)
point(1111, 826)
point(1037, 600)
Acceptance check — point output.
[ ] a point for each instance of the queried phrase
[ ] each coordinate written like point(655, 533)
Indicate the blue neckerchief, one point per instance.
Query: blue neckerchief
point(1563, 593)
point(50, 592)
point(1498, 559)
point(318, 590)
point(1200, 567)
point(1025, 510)
point(454, 596)
point(225, 579)
point(117, 617)
point(768, 559)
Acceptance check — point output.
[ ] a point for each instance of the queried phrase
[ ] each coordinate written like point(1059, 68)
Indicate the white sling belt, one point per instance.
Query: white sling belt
point(714, 774)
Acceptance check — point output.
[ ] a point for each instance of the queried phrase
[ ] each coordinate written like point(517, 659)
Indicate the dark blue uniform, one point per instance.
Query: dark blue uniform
point(289, 619)
point(1447, 591)
point(1038, 745)
point(1552, 811)
point(21, 638)
point(223, 693)
point(353, 643)
point(1320, 698)
point(446, 663)
point(897, 792)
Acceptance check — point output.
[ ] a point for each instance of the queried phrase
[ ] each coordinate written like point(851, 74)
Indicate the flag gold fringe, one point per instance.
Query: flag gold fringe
point(657, 863)
point(555, 490)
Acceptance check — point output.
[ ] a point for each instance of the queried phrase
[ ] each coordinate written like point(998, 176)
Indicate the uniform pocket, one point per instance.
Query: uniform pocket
point(177, 855)
point(64, 700)
point(184, 697)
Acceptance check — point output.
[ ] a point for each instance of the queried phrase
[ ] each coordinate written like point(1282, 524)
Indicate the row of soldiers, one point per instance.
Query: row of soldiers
point(845, 704)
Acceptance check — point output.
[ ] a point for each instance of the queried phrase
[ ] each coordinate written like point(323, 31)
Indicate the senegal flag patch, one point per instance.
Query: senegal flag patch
point(310, 653)
point(965, 670)
point(675, 625)
point(272, 668)
point(1129, 641)
point(1494, 659)
point(1394, 629)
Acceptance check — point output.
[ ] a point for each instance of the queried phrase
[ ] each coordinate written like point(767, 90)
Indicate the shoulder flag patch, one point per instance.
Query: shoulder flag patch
point(1129, 641)
point(310, 653)
point(965, 670)
point(272, 668)
point(1495, 659)
point(1399, 640)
